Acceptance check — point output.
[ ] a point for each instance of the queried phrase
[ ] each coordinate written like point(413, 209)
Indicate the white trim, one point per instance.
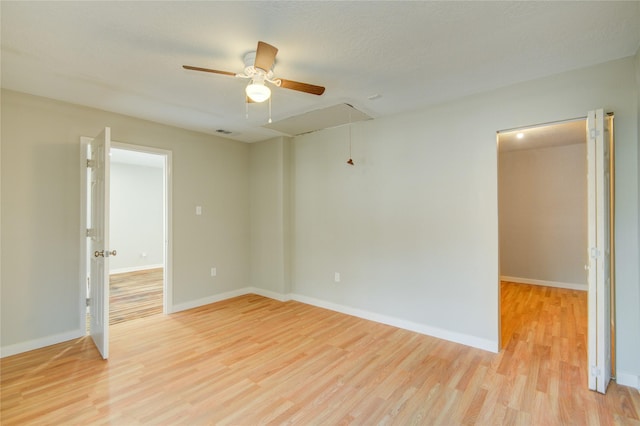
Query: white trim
point(135, 269)
point(464, 339)
point(30, 345)
point(268, 293)
point(570, 286)
point(210, 299)
point(231, 294)
point(452, 336)
point(628, 379)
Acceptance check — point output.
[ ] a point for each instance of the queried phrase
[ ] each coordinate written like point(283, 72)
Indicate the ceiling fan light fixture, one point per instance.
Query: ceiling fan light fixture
point(258, 91)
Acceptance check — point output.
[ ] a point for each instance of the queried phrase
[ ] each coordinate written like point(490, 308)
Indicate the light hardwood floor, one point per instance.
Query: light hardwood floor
point(135, 295)
point(251, 360)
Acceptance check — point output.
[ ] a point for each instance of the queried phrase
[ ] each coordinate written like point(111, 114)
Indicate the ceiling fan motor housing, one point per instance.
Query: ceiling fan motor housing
point(250, 70)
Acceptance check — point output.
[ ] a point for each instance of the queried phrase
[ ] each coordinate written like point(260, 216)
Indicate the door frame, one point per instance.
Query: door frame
point(167, 294)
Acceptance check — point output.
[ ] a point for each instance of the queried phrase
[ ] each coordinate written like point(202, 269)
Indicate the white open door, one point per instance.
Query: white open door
point(599, 238)
point(99, 241)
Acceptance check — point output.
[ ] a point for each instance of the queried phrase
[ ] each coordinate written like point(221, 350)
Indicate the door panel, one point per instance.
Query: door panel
point(99, 241)
point(599, 267)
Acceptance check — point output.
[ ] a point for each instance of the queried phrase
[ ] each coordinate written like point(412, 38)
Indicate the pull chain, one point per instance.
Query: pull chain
point(350, 160)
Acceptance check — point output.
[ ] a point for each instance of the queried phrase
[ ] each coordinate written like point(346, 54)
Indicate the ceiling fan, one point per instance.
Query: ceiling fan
point(258, 68)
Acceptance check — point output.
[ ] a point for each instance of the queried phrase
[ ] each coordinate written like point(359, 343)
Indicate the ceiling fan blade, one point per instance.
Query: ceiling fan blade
point(301, 87)
point(265, 56)
point(189, 67)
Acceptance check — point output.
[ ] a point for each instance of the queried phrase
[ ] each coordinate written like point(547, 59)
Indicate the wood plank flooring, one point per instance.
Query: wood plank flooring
point(135, 295)
point(252, 360)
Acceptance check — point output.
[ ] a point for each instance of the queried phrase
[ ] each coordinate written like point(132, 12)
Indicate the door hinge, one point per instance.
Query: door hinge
point(593, 133)
point(595, 371)
point(595, 253)
point(91, 232)
point(91, 164)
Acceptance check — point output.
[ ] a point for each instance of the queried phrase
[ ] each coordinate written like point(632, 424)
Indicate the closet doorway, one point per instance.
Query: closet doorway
point(555, 193)
point(542, 195)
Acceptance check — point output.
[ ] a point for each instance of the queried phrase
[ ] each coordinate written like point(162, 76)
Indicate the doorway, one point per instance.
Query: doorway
point(542, 193)
point(136, 228)
point(141, 235)
point(548, 175)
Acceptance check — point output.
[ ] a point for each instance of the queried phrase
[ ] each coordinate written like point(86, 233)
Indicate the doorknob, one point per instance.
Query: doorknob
point(102, 253)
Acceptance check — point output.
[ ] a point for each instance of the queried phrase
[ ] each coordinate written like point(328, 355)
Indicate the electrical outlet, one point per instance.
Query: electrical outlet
point(336, 277)
point(214, 272)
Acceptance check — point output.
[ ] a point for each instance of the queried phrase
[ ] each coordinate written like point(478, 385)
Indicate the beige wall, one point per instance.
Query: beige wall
point(413, 226)
point(269, 215)
point(41, 211)
point(543, 214)
point(136, 217)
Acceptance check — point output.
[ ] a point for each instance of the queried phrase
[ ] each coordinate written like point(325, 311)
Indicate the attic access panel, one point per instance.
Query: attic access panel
point(319, 119)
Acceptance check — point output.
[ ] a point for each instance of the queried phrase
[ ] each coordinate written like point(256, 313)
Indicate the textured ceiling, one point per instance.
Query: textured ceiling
point(126, 57)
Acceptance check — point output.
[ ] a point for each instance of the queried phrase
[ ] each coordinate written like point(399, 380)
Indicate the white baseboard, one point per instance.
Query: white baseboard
point(208, 300)
point(464, 339)
point(628, 379)
point(268, 293)
point(135, 269)
point(228, 295)
point(30, 345)
point(570, 286)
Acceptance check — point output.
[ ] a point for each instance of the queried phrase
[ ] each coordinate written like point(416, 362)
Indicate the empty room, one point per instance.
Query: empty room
point(327, 209)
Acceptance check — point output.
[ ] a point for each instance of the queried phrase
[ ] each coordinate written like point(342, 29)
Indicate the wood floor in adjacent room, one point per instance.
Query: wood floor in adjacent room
point(252, 360)
point(135, 294)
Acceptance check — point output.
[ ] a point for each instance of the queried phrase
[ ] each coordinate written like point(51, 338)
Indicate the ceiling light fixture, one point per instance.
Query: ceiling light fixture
point(257, 91)
point(520, 135)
